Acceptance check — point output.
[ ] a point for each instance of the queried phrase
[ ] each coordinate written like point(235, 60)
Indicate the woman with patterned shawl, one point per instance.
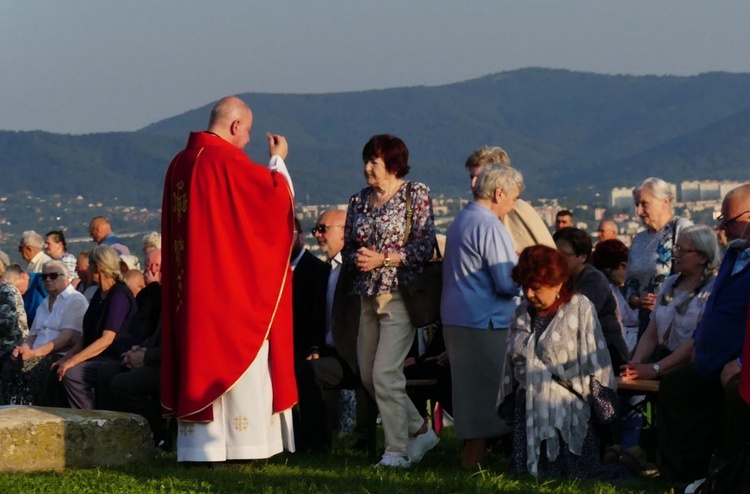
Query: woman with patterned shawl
point(558, 375)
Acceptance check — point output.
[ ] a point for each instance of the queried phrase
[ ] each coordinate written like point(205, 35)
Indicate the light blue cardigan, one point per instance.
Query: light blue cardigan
point(479, 256)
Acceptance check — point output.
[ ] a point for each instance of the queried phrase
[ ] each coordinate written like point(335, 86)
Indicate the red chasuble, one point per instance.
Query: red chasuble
point(227, 227)
point(745, 376)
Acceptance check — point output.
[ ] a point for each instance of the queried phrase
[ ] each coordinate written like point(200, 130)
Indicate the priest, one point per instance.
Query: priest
point(227, 224)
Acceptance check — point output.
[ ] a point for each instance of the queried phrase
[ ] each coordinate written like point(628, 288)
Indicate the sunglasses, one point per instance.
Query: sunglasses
point(51, 276)
point(322, 228)
point(724, 224)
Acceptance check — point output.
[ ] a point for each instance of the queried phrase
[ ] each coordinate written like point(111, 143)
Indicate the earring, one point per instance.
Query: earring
point(558, 296)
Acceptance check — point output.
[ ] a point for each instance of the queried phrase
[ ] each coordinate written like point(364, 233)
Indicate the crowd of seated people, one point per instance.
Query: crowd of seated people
point(536, 330)
point(82, 332)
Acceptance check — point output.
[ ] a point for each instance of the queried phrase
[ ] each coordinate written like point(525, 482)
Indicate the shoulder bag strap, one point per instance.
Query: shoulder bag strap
point(673, 269)
point(409, 212)
point(409, 215)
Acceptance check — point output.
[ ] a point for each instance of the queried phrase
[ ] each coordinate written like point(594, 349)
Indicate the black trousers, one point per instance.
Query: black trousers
point(696, 417)
point(133, 391)
point(318, 384)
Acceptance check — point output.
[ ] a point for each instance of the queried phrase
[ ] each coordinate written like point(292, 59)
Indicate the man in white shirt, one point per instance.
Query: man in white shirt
point(30, 247)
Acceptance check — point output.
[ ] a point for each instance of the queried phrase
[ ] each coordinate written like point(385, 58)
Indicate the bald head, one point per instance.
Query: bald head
point(99, 228)
point(735, 213)
point(231, 120)
point(740, 194)
point(329, 232)
point(607, 230)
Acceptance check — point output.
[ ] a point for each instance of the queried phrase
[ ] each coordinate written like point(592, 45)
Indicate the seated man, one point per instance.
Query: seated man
point(334, 365)
point(700, 409)
point(31, 287)
point(30, 247)
point(86, 286)
point(57, 327)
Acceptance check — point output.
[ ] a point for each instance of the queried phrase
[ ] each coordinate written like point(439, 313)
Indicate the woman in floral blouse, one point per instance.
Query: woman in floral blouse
point(383, 263)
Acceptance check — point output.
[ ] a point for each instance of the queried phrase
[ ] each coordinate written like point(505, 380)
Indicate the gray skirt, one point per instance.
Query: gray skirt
point(476, 357)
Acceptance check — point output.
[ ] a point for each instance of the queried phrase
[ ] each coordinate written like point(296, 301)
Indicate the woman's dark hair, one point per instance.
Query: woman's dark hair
point(391, 150)
point(578, 240)
point(609, 254)
point(544, 266)
point(58, 237)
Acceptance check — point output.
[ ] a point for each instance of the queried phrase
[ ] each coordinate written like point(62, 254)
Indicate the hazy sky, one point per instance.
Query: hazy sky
point(91, 66)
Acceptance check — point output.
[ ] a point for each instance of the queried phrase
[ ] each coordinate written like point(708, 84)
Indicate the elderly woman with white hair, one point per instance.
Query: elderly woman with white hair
point(668, 340)
point(477, 303)
point(650, 259)
point(56, 328)
point(108, 327)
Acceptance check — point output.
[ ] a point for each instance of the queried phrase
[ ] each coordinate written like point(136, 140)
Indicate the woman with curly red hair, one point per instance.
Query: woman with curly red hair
point(558, 375)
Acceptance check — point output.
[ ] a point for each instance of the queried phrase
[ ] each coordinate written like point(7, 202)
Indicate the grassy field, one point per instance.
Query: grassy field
point(342, 471)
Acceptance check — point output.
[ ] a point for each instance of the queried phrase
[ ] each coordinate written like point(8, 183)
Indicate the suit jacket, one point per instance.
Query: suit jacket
point(309, 284)
point(345, 319)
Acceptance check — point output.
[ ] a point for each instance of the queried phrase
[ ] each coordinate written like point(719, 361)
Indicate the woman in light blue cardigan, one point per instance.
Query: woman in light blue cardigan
point(477, 303)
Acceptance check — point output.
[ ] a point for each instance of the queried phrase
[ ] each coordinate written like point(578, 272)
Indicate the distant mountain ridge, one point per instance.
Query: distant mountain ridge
point(568, 132)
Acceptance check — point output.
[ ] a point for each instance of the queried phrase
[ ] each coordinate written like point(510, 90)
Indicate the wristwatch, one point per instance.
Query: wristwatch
point(386, 260)
point(657, 368)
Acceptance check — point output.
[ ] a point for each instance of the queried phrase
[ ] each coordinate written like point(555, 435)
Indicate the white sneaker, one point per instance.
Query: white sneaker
point(393, 461)
point(421, 444)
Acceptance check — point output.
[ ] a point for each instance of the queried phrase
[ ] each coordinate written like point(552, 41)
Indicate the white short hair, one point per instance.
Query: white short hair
point(30, 238)
point(494, 176)
point(152, 239)
point(59, 264)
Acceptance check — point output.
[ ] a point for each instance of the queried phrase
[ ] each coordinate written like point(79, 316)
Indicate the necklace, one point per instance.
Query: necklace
point(382, 199)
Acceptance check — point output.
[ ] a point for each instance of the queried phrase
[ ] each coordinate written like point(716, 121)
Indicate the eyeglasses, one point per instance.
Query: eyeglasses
point(724, 224)
point(322, 228)
point(51, 276)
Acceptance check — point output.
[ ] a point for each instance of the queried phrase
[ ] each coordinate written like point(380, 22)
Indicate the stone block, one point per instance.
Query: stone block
point(34, 439)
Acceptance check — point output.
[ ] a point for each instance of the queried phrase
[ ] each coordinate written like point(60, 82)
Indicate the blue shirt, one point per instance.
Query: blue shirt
point(479, 256)
point(34, 296)
point(720, 335)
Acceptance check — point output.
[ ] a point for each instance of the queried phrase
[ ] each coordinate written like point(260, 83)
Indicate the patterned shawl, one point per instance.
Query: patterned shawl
point(571, 348)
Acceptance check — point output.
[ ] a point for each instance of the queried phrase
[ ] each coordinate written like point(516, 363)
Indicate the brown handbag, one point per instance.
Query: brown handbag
point(422, 295)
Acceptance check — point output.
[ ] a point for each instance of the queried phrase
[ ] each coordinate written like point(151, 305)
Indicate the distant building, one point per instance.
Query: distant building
point(705, 190)
point(621, 197)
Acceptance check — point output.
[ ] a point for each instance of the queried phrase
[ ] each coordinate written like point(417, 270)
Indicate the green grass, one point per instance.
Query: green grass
point(342, 471)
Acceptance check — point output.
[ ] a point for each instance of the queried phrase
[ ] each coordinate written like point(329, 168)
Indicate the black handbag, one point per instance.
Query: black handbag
point(422, 295)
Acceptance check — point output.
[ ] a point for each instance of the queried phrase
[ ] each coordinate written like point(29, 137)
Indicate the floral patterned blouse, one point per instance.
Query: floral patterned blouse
point(383, 227)
point(650, 259)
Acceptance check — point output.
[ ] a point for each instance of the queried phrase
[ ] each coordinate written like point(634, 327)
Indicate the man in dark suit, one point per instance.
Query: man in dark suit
point(334, 366)
point(309, 278)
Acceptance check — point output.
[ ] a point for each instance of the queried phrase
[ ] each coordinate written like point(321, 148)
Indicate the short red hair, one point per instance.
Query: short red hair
point(391, 150)
point(544, 266)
